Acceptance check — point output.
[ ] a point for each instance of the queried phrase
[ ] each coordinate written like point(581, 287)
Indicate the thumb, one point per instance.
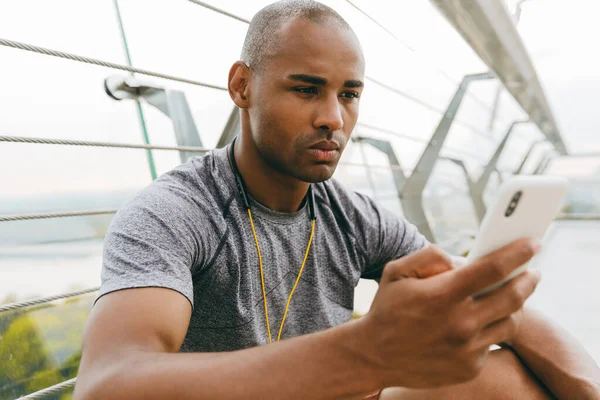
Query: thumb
point(422, 264)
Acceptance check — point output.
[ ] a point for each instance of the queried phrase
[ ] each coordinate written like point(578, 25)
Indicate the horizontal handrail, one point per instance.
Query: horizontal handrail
point(578, 217)
point(391, 132)
point(418, 140)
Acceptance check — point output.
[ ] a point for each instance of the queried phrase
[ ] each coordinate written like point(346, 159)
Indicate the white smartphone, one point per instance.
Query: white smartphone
point(524, 208)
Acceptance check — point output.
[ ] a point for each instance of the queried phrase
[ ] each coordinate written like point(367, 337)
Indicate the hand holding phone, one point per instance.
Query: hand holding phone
point(524, 208)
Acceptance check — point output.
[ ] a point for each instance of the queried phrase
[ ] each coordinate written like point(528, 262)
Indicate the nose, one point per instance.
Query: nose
point(329, 114)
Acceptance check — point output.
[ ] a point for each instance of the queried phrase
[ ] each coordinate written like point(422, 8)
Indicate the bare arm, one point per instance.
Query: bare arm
point(133, 336)
point(556, 358)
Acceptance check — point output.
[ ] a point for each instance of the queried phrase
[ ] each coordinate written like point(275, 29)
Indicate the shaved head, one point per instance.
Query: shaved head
point(298, 87)
point(262, 38)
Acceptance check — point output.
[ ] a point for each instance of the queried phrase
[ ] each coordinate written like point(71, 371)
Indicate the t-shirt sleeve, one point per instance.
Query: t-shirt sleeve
point(151, 243)
point(388, 237)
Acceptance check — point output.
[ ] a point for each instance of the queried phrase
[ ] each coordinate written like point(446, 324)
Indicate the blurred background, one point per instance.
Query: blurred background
point(443, 121)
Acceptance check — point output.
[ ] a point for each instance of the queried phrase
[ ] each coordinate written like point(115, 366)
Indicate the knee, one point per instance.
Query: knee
point(503, 377)
point(505, 364)
point(504, 373)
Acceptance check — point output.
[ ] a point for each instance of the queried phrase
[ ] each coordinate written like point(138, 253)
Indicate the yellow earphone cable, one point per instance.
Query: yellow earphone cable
point(262, 279)
point(312, 233)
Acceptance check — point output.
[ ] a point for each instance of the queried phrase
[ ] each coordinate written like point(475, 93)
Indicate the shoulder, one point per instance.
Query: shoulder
point(188, 192)
point(346, 202)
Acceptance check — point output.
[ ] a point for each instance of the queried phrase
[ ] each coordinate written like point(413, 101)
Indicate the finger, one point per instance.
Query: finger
point(506, 300)
point(421, 264)
point(492, 268)
point(500, 331)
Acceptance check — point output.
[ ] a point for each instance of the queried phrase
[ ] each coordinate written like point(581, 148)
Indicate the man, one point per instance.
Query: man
point(253, 243)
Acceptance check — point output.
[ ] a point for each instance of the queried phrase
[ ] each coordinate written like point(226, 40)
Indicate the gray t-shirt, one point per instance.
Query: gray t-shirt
point(189, 231)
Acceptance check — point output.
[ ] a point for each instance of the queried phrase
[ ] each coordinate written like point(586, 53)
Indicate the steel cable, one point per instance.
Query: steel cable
point(480, 102)
point(44, 300)
point(58, 388)
point(20, 139)
point(73, 57)
point(26, 217)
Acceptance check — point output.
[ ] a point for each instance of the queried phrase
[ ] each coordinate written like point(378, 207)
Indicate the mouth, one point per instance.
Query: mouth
point(326, 145)
point(325, 151)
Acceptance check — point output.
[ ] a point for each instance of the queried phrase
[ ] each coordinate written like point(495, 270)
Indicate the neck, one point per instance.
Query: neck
point(269, 187)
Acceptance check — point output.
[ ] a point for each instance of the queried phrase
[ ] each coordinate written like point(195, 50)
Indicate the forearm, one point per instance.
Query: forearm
point(326, 364)
point(556, 358)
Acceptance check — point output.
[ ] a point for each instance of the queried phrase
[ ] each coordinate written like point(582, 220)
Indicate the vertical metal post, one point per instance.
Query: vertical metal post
point(412, 193)
point(174, 105)
point(386, 148)
point(500, 177)
point(531, 148)
point(369, 170)
point(547, 164)
point(543, 164)
point(171, 103)
point(477, 200)
point(495, 107)
point(480, 185)
point(145, 136)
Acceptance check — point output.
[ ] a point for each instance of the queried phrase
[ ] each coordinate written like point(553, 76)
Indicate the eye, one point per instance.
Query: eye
point(350, 95)
point(306, 90)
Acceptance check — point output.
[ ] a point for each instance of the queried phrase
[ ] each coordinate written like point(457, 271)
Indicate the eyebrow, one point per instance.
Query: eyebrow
point(317, 80)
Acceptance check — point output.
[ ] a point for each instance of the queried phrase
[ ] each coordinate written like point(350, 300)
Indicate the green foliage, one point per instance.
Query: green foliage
point(41, 346)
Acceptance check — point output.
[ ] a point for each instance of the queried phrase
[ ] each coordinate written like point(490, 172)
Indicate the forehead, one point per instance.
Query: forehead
point(328, 50)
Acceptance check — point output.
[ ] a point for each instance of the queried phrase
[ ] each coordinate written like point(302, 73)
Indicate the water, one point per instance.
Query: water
point(48, 269)
point(568, 292)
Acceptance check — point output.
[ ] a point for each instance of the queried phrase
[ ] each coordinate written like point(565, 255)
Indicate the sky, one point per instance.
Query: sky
point(48, 97)
point(561, 37)
point(54, 98)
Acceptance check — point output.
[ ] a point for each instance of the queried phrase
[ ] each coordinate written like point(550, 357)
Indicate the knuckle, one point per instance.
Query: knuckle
point(439, 255)
point(517, 298)
point(464, 330)
point(388, 269)
point(513, 302)
point(496, 268)
point(439, 295)
point(526, 251)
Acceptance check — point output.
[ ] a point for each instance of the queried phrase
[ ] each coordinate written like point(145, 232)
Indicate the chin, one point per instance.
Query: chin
point(316, 174)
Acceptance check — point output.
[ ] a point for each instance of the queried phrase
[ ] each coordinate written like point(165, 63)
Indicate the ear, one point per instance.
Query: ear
point(238, 87)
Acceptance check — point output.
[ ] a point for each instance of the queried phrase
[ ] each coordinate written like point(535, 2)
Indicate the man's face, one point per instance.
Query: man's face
point(304, 103)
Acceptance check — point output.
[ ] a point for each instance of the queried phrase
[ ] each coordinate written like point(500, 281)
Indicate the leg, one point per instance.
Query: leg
point(503, 377)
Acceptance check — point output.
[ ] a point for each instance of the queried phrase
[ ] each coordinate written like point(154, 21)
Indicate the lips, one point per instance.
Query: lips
point(325, 151)
point(326, 145)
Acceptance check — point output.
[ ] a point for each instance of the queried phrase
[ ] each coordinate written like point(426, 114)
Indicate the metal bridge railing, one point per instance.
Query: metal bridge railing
point(415, 182)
